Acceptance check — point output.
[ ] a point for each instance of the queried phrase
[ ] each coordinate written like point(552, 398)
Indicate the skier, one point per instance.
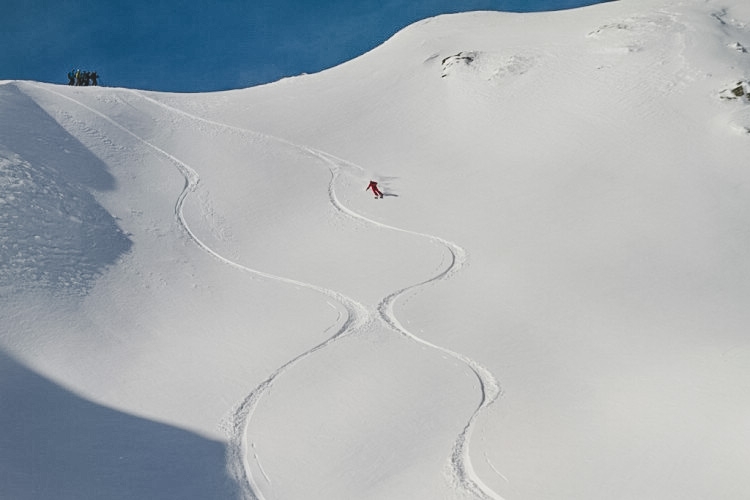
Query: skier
point(374, 186)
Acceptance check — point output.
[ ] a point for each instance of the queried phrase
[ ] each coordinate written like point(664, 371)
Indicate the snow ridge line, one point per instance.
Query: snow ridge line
point(357, 314)
point(462, 471)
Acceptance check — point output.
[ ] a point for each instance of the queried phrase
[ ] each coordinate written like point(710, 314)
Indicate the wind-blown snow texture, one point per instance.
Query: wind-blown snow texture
point(200, 300)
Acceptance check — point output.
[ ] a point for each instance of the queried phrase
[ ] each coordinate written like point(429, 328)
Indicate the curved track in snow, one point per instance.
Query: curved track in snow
point(463, 472)
point(357, 315)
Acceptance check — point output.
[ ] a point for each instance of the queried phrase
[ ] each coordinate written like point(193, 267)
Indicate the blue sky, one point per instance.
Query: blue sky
point(199, 45)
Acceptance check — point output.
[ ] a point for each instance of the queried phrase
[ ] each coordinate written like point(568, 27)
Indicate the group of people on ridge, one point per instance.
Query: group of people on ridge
point(82, 78)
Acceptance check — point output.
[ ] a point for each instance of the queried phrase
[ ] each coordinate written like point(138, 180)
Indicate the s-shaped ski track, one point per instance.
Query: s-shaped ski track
point(464, 476)
point(356, 314)
point(461, 467)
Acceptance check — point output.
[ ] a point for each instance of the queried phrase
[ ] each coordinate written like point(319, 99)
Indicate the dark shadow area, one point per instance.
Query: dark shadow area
point(53, 232)
point(54, 444)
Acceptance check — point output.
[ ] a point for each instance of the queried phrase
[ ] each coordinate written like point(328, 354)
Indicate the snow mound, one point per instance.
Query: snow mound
point(633, 34)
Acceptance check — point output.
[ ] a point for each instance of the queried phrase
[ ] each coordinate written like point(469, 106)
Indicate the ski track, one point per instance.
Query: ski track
point(357, 315)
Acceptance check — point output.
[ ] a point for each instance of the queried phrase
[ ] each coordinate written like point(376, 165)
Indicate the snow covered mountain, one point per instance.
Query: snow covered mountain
point(200, 299)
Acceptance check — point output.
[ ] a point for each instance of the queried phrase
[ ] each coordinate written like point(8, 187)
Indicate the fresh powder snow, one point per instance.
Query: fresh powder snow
point(200, 300)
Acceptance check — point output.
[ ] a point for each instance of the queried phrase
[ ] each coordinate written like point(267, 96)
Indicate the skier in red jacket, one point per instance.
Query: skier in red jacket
point(374, 186)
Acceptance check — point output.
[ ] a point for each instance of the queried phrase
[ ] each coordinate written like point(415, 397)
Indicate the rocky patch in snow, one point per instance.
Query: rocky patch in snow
point(486, 65)
point(738, 47)
point(725, 19)
point(460, 59)
point(740, 90)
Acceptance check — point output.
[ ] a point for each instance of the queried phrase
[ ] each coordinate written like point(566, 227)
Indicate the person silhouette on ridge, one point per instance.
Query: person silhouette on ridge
point(374, 186)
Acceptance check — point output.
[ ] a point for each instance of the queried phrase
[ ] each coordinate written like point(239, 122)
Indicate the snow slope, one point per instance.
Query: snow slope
point(200, 300)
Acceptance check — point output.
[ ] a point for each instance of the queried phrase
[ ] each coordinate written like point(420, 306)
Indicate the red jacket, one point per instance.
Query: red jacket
point(374, 186)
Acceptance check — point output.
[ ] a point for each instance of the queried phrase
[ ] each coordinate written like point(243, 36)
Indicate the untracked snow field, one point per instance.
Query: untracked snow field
point(199, 299)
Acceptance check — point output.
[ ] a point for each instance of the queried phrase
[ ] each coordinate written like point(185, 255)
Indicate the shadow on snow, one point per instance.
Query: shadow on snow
point(54, 444)
point(53, 233)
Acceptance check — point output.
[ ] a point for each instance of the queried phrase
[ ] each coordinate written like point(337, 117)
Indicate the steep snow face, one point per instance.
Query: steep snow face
point(550, 301)
point(53, 232)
